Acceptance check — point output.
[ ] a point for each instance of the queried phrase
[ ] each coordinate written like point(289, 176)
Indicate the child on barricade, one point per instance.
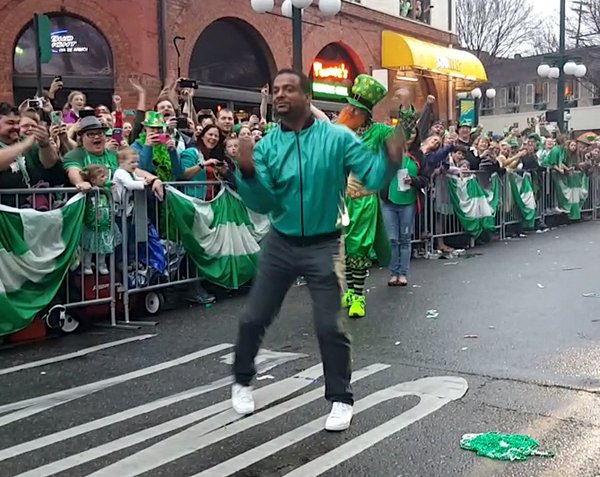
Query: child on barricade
point(125, 181)
point(99, 236)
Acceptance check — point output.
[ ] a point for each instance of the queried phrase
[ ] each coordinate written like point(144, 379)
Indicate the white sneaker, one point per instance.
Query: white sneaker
point(241, 399)
point(339, 418)
point(88, 271)
point(103, 270)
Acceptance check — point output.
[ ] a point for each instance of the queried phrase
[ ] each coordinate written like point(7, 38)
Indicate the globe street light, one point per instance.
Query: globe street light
point(570, 68)
point(293, 9)
point(490, 93)
point(262, 6)
point(561, 66)
point(580, 71)
point(476, 93)
point(543, 71)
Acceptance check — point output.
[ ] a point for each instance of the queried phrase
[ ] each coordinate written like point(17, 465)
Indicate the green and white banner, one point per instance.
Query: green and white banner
point(474, 205)
point(221, 236)
point(571, 192)
point(36, 249)
point(521, 186)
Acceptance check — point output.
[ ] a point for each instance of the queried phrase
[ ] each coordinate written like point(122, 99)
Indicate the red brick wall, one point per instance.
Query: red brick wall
point(132, 31)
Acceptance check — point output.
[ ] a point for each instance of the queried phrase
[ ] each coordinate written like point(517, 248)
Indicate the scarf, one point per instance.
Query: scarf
point(160, 159)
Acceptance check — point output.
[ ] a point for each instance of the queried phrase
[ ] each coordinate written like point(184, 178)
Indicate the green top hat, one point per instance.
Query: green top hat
point(154, 120)
point(366, 93)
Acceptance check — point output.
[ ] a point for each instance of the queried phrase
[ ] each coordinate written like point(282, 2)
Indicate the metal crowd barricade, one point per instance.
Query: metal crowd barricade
point(80, 295)
point(147, 230)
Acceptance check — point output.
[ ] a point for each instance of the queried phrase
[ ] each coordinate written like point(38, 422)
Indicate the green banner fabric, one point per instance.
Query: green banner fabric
point(221, 236)
point(475, 206)
point(521, 186)
point(36, 249)
point(571, 192)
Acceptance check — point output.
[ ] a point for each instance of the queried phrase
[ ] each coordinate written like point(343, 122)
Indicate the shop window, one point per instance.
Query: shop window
point(513, 95)
point(80, 54)
point(572, 90)
point(78, 49)
point(502, 97)
point(529, 94)
point(487, 105)
point(231, 53)
point(332, 73)
point(542, 93)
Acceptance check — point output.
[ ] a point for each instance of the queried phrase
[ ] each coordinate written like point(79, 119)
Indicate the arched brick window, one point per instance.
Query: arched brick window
point(80, 54)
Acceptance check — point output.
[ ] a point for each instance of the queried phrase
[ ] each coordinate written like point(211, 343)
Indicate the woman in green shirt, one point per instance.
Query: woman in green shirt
point(92, 150)
point(401, 200)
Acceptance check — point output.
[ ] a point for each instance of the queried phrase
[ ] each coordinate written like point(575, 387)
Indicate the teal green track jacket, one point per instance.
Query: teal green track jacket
point(301, 176)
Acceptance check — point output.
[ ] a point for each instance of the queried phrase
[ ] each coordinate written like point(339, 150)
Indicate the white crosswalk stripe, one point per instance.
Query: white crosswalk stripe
point(190, 432)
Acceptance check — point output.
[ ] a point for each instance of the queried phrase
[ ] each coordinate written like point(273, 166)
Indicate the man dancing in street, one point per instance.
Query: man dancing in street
point(297, 174)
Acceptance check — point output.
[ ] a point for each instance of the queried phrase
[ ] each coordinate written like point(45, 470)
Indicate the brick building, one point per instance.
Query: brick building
point(231, 50)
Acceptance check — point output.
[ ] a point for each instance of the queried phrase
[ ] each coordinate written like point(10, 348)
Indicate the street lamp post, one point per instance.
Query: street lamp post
point(297, 38)
point(562, 66)
point(293, 9)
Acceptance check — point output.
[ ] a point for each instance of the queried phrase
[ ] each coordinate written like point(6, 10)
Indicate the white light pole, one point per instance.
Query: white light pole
point(569, 68)
point(293, 9)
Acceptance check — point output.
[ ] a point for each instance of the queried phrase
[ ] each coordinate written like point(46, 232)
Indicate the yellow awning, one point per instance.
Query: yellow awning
point(405, 52)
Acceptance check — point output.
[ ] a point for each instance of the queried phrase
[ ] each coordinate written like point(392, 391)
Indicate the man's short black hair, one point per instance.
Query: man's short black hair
point(305, 83)
point(7, 109)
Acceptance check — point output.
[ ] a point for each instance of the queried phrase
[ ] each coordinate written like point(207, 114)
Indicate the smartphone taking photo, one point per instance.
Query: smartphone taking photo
point(117, 135)
point(56, 118)
point(188, 83)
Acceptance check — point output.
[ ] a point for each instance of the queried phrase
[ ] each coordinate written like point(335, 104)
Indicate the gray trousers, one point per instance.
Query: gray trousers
point(282, 261)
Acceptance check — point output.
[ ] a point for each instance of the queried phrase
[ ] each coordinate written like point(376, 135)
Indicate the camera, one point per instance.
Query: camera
point(35, 103)
point(188, 83)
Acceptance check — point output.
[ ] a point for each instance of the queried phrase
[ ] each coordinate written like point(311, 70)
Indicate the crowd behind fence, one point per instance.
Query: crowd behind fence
point(151, 262)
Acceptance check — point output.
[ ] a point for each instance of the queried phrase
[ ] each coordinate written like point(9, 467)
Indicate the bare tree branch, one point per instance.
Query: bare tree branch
point(496, 27)
point(546, 39)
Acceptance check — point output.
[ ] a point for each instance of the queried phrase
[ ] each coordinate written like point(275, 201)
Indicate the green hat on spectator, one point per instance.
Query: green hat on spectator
point(236, 128)
point(512, 143)
point(366, 93)
point(154, 120)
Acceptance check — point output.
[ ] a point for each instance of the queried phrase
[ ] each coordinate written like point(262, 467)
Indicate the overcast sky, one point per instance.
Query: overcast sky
point(548, 8)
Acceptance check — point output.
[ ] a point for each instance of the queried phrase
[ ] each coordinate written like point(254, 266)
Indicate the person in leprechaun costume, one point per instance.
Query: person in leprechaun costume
point(365, 234)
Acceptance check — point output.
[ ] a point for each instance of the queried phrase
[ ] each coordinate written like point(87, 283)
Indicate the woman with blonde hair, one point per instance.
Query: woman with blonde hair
point(76, 101)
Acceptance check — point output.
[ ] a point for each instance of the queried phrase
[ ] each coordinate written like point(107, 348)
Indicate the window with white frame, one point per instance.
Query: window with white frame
point(572, 89)
point(502, 97)
point(529, 94)
point(514, 95)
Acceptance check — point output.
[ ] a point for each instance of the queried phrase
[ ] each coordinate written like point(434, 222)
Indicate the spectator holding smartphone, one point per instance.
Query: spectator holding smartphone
point(157, 150)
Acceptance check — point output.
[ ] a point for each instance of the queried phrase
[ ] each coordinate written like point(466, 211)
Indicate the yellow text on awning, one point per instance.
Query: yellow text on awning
point(405, 52)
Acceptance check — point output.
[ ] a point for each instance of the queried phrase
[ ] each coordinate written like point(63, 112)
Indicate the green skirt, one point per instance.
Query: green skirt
point(366, 233)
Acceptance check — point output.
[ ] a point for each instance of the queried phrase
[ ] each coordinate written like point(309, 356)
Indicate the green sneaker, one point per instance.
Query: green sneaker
point(358, 307)
point(348, 298)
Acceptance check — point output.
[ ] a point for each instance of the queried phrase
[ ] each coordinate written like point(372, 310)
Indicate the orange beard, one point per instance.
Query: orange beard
point(351, 118)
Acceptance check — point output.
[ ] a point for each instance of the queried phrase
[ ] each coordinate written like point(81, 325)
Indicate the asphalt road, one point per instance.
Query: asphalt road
point(159, 406)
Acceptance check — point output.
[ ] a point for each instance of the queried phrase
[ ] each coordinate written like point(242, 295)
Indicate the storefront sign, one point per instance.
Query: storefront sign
point(467, 112)
point(445, 63)
point(64, 42)
point(332, 71)
point(336, 90)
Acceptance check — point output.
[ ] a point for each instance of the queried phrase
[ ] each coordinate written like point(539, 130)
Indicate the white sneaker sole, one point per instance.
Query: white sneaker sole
point(243, 411)
point(338, 428)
